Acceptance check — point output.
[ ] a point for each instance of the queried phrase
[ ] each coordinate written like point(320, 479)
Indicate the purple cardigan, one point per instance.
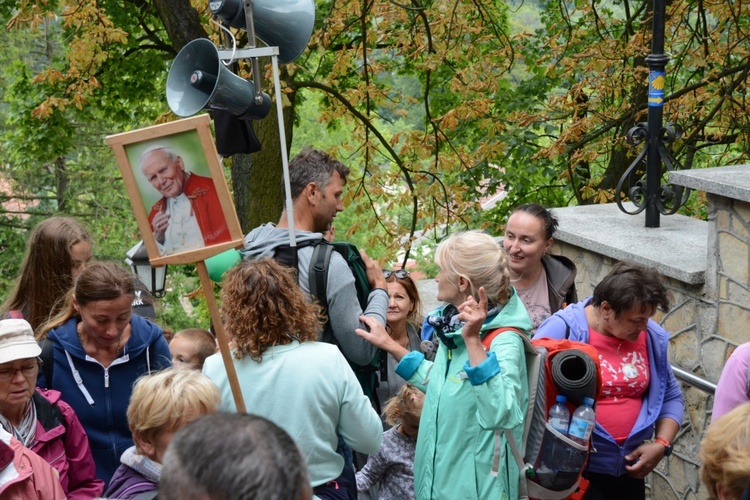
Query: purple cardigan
point(65, 446)
point(128, 483)
point(663, 398)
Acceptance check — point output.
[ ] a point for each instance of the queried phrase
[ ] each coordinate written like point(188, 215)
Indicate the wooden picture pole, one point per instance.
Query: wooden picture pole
point(226, 355)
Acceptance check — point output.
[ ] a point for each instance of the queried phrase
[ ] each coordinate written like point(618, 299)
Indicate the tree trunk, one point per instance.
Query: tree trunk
point(61, 178)
point(622, 156)
point(181, 21)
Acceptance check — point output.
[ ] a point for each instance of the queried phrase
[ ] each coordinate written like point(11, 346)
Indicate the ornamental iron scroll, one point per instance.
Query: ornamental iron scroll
point(668, 198)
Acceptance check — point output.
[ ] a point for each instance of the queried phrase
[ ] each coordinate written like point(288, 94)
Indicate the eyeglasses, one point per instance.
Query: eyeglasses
point(28, 371)
point(399, 273)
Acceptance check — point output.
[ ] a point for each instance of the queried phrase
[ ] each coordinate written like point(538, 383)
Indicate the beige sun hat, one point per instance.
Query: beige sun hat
point(17, 340)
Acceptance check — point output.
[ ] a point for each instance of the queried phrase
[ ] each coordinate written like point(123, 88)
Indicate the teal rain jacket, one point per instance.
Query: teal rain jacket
point(463, 408)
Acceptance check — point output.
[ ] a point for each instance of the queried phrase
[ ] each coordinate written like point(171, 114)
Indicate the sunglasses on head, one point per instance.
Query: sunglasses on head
point(399, 273)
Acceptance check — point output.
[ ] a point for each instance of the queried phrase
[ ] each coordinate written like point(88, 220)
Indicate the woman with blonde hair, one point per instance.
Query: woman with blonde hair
point(56, 251)
point(304, 386)
point(470, 393)
point(725, 455)
point(160, 405)
point(94, 351)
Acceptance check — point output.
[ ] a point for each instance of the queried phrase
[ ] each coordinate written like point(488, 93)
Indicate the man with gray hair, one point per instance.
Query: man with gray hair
point(233, 457)
point(189, 214)
point(317, 183)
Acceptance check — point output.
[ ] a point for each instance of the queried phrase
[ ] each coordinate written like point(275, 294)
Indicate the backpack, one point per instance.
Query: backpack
point(541, 443)
point(318, 284)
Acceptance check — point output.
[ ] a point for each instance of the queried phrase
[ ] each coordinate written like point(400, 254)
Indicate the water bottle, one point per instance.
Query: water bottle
point(559, 415)
point(583, 422)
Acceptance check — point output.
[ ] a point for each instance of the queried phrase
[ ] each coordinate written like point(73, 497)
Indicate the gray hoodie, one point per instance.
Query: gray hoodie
point(343, 307)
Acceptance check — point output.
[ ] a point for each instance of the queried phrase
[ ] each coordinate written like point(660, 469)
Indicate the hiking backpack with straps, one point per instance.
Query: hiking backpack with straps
point(541, 443)
point(318, 284)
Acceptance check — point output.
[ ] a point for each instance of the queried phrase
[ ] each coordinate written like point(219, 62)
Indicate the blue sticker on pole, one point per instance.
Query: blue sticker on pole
point(656, 83)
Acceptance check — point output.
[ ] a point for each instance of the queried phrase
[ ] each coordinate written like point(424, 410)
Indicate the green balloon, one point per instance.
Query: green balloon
point(221, 263)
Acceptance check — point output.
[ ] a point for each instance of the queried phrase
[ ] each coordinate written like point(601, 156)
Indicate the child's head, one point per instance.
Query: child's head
point(163, 403)
point(405, 409)
point(191, 347)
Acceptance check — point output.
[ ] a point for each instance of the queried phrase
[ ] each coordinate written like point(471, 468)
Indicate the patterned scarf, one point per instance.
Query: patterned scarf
point(145, 466)
point(26, 432)
point(448, 322)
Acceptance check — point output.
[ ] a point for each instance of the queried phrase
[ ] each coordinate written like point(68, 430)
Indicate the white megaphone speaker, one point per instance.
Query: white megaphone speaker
point(198, 80)
point(286, 24)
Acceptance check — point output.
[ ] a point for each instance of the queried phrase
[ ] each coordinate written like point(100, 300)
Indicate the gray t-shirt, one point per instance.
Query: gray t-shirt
point(536, 300)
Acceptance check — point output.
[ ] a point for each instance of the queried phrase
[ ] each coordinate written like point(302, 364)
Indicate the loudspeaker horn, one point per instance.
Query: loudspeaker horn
point(198, 80)
point(286, 24)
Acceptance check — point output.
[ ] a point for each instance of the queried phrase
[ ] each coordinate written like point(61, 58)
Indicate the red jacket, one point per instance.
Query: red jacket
point(24, 475)
point(62, 442)
point(206, 206)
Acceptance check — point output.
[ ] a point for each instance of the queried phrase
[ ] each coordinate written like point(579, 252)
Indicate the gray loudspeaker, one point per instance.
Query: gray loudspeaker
point(286, 24)
point(198, 80)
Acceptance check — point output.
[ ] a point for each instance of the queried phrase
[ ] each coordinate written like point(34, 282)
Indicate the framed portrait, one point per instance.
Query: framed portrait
point(178, 192)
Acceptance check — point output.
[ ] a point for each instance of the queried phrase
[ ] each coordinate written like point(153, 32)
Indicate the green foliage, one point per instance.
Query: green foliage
point(183, 305)
point(434, 107)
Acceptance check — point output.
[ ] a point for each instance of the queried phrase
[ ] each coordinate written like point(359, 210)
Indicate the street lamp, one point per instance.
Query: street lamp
point(153, 277)
point(649, 194)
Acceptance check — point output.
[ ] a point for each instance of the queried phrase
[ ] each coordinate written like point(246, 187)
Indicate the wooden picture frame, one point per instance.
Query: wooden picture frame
point(165, 152)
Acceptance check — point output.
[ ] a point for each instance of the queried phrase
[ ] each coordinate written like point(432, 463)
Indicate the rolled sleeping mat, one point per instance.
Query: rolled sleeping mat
point(574, 374)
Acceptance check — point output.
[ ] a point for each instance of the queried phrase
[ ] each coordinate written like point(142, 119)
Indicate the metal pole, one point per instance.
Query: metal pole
point(694, 380)
point(284, 157)
point(656, 61)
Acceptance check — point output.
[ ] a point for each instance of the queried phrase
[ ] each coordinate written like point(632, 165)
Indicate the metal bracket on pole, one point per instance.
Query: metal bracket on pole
point(251, 44)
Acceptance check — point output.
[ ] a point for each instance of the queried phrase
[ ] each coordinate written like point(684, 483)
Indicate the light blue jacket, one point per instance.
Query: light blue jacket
point(464, 406)
point(310, 391)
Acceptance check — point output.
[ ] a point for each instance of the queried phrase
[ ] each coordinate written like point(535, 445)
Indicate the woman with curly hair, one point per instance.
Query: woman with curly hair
point(305, 387)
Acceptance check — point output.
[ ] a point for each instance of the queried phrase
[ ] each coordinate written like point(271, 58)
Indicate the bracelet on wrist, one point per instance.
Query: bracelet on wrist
point(666, 444)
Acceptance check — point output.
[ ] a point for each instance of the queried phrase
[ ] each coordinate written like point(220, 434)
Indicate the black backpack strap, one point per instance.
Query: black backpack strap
point(318, 282)
point(48, 414)
point(47, 360)
point(567, 327)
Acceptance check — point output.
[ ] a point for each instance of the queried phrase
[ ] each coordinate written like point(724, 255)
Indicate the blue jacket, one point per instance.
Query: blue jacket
point(663, 398)
point(101, 400)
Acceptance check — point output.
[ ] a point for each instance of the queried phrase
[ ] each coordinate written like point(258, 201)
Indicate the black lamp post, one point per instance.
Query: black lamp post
point(153, 277)
point(655, 198)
